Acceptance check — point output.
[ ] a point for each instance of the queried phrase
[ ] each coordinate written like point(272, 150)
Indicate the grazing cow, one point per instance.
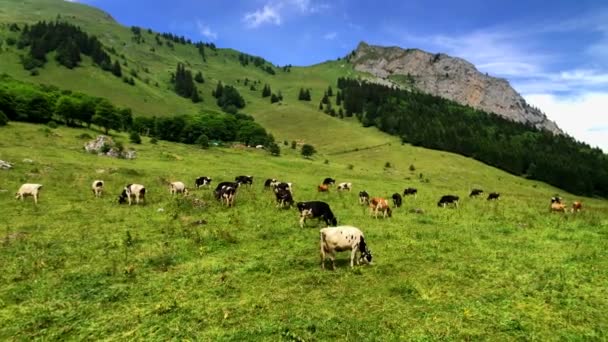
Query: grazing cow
point(284, 198)
point(493, 196)
point(282, 186)
point(218, 189)
point(363, 197)
point(410, 191)
point(270, 182)
point(558, 206)
point(345, 186)
point(397, 200)
point(97, 187)
point(329, 181)
point(379, 204)
point(29, 190)
point(475, 192)
point(316, 209)
point(248, 180)
point(556, 199)
point(323, 188)
point(178, 188)
point(343, 238)
point(131, 191)
point(577, 206)
point(448, 199)
point(202, 181)
point(226, 195)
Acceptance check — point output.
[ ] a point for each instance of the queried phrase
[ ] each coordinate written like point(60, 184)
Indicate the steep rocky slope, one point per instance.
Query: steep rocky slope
point(449, 77)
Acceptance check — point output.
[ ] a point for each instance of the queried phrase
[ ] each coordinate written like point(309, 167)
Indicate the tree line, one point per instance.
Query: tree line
point(434, 122)
point(20, 101)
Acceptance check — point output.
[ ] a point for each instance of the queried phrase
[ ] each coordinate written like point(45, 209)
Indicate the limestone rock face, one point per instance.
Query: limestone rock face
point(449, 77)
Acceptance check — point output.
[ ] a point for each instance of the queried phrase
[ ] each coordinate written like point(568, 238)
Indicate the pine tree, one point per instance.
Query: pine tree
point(199, 77)
point(266, 91)
point(116, 70)
point(330, 92)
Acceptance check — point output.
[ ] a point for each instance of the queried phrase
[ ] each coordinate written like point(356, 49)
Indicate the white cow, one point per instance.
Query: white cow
point(29, 190)
point(345, 186)
point(97, 187)
point(131, 191)
point(178, 188)
point(343, 238)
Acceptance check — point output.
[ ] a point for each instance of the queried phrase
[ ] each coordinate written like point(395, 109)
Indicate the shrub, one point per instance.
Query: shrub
point(105, 148)
point(387, 165)
point(135, 138)
point(3, 119)
point(350, 166)
point(308, 150)
point(203, 141)
point(275, 150)
point(294, 145)
point(286, 143)
point(412, 168)
point(84, 136)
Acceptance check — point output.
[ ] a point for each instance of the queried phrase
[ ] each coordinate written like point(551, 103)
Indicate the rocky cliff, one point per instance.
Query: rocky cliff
point(449, 77)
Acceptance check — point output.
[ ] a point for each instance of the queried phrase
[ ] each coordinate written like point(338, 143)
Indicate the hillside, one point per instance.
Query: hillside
point(79, 268)
point(449, 77)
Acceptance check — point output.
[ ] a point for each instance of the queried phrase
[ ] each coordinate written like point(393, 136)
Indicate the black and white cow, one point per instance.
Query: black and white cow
point(448, 199)
point(410, 191)
point(475, 192)
point(316, 209)
point(218, 189)
point(247, 180)
point(329, 181)
point(283, 186)
point(397, 200)
point(202, 181)
point(343, 238)
point(345, 186)
point(226, 195)
point(131, 191)
point(363, 197)
point(284, 198)
point(97, 187)
point(556, 199)
point(493, 196)
point(270, 183)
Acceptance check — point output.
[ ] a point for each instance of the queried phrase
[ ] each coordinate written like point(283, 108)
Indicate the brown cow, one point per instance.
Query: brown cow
point(379, 204)
point(558, 206)
point(323, 188)
point(577, 206)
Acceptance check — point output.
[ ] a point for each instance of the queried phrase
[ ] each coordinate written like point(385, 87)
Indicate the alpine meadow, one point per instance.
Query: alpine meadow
point(188, 267)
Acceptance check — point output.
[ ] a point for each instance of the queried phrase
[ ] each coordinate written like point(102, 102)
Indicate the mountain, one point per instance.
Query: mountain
point(449, 77)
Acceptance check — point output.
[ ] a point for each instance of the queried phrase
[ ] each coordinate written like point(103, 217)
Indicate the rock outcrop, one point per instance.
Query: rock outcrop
point(449, 77)
point(105, 146)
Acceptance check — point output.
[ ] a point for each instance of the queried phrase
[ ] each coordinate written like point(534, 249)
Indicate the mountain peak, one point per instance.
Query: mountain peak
point(452, 78)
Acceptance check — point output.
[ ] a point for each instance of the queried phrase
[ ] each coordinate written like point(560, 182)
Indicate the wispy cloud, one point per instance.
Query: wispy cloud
point(273, 12)
point(330, 36)
point(205, 30)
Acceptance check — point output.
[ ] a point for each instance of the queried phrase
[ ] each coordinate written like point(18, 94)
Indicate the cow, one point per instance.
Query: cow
point(558, 206)
point(218, 189)
point(397, 200)
point(329, 181)
point(284, 198)
point(410, 191)
point(97, 188)
point(363, 197)
point(227, 195)
point(448, 199)
point(323, 188)
point(316, 209)
point(556, 199)
point(270, 182)
point(29, 189)
point(493, 196)
point(247, 180)
point(131, 191)
point(577, 206)
point(345, 186)
point(177, 188)
point(379, 204)
point(282, 186)
point(202, 181)
point(343, 238)
point(475, 192)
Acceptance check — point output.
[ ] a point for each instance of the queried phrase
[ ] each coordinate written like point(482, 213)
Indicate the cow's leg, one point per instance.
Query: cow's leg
point(332, 256)
point(35, 198)
point(353, 253)
point(302, 220)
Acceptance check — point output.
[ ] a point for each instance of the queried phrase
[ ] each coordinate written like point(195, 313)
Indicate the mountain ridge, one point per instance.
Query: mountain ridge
point(453, 78)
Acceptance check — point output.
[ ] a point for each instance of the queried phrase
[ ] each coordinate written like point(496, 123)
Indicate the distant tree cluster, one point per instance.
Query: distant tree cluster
point(259, 62)
point(228, 98)
point(67, 40)
point(266, 91)
point(183, 84)
point(434, 122)
point(304, 95)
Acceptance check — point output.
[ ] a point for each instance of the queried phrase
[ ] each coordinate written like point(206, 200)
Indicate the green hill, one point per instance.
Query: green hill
point(75, 267)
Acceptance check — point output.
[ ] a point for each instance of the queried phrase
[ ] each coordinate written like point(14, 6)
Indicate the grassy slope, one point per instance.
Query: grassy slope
point(501, 270)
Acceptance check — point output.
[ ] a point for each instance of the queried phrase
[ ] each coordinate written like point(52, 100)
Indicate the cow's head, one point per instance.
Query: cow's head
point(366, 256)
point(123, 197)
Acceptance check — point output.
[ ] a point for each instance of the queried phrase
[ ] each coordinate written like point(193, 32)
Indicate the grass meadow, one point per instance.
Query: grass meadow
point(76, 267)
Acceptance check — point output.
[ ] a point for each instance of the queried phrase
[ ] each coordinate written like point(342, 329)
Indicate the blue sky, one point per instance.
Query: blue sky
point(555, 53)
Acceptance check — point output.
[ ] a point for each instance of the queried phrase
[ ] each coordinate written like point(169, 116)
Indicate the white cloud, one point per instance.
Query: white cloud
point(330, 36)
point(274, 11)
point(584, 117)
point(205, 30)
